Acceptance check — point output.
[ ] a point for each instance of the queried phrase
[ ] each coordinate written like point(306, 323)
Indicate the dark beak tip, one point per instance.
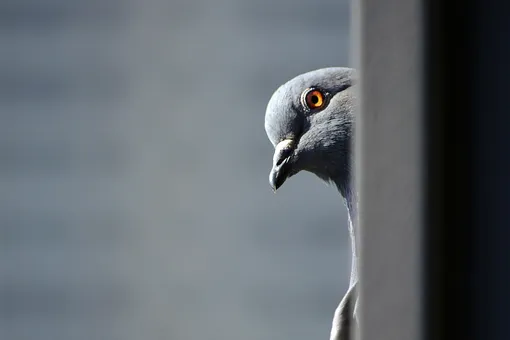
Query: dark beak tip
point(273, 184)
point(273, 187)
point(276, 182)
point(278, 175)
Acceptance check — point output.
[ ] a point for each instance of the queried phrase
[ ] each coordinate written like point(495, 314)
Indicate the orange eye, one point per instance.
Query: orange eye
point(314, 99)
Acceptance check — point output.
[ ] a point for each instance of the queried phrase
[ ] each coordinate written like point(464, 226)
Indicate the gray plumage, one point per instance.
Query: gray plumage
point(318, 140)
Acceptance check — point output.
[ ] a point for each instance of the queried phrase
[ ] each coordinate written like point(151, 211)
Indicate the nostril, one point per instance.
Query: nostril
point(283, 156)
point(283, 152)
point(280, 161)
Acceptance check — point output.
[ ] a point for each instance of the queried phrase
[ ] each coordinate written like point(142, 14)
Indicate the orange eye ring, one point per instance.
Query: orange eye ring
point(314, 99)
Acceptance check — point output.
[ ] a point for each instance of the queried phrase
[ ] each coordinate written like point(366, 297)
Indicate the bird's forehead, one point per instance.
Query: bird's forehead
point(283, 116)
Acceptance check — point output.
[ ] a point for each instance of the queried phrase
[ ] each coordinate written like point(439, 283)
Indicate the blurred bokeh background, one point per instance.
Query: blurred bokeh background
point(134, 166)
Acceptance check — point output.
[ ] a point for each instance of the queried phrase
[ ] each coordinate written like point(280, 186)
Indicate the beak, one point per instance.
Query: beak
point(281, 166)
point(278, 175)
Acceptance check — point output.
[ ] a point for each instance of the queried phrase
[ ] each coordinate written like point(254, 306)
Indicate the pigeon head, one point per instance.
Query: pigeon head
point(310, 121)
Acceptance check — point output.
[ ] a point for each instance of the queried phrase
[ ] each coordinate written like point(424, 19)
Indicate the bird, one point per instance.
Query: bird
point(309, 120)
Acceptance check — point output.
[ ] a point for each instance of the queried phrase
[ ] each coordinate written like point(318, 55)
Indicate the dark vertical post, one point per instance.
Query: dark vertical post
point(468, 223)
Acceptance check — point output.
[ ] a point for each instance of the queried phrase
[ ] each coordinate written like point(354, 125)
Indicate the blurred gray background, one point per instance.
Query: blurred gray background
point(134, 167)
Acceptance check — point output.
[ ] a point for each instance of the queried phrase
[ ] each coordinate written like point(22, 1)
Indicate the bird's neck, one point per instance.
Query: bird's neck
point(350, 195)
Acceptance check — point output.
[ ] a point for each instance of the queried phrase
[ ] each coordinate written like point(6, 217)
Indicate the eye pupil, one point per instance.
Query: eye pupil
point(315, 99)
